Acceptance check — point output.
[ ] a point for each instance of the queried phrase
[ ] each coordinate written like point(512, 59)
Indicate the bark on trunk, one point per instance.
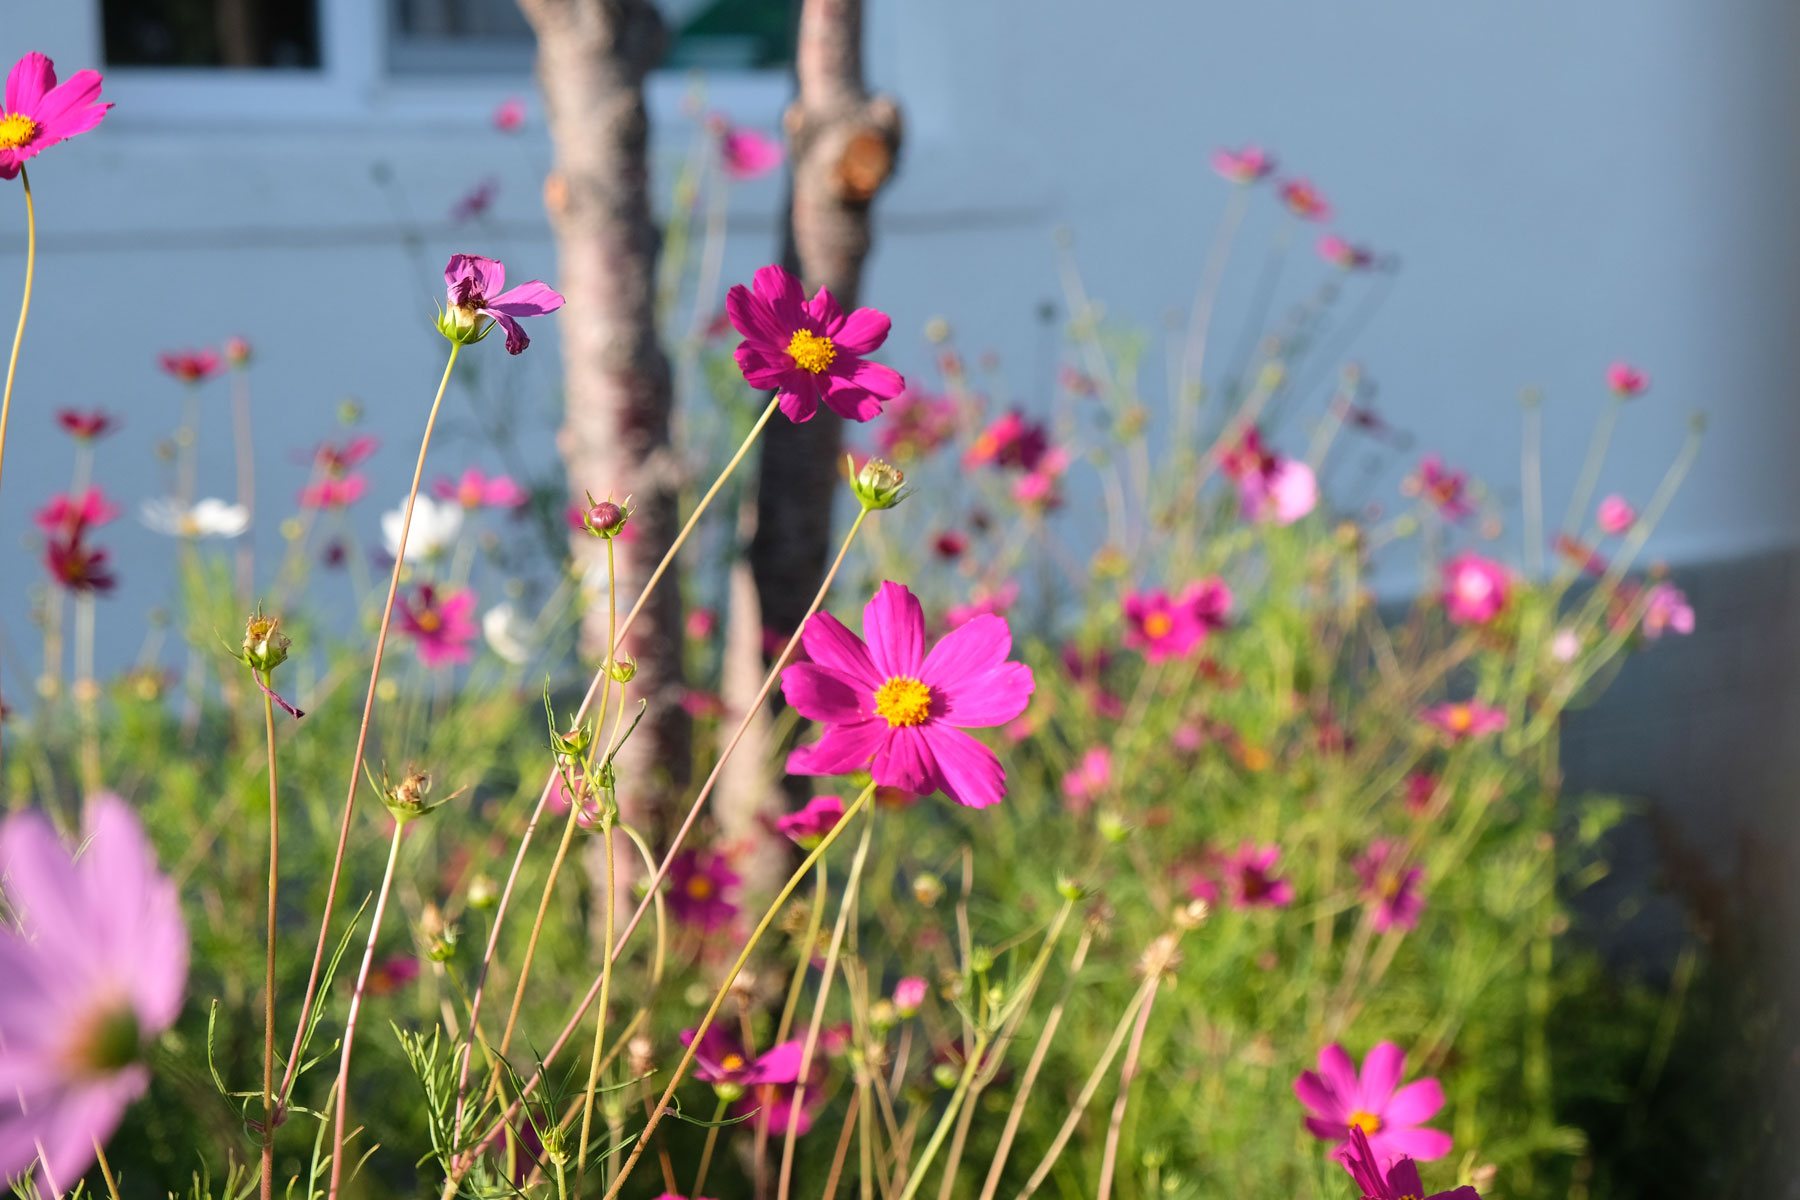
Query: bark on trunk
point(593, 56)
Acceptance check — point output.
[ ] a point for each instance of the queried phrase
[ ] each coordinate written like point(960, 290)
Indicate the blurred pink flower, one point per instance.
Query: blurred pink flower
point(808, 350)
point(334, 459)
point(1247, 164)
point(698, 883)
point(909, 994)
point(809, 826)
point(949, 544)
point(476, 201)
point(476, 489)
point(914, 424)
point(1338, 1097)
point(509, 114)
point(1376, 1180)
point(1626, 381)
point(1667, 612)
point(88, 426)
point(702, 623)
point(1446, 490)
point(1011, 441)
point(442, 625)
point(1394, 892)
point(1268, 484)
point(1041, 487)
point(1162, 627)
point(983, 602)
point(1090, 777)
point(237, 350)
point(1615, 516)
point(747, 153)
point(71, 516)
point(475, 289)
point(1475, 589)
point(1565, 646)
point(76, 566)
point(901, 712)
point(40, 113)
point(1465, 719)
point(191, 366)
point(391, 974)
point(1250, 879)
point(1305, 201)
point(1421, 786)
point(334, 492)
point(94, 974)
point(720, 1059)
point(1346, 255)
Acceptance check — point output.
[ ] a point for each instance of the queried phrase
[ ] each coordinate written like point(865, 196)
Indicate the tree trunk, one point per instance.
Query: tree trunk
point(842, 144)
point(593, 56)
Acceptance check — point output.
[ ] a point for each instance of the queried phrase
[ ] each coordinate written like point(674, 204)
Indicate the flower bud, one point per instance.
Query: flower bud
point(462, 324)
point(944, 1075)
point(981, 960)
point(237, 351)
point(484, 893)
point(1112, 826)
point(927, 889)
point(623, 669)
point(1070, 889)
point(728, 1092)
point(573, 744)
point(883, 1016)
point(879, 485)
point(605, 519)
point(265, 646)
point(406, 799)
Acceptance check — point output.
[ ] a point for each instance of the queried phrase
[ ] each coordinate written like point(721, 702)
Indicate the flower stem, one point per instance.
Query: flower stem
point(12, 365)
point(1127, 1074)
point(112, 1184)
point(706, 1151)
point(587, 1112)
point(362, 739)
point(815, 919)
point(246, 480)
point(982, 1037)
point(268, 1129)
point(362, 981)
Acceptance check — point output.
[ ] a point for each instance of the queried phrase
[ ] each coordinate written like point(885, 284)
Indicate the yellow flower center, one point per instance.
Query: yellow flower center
point(903, 701)
point(15, 130)
point(811, 352)
point(429, 621)
point(1368, 1122)
point(1462, 718)
point(699, 887)
point(1158, 624)
point(732, 1062)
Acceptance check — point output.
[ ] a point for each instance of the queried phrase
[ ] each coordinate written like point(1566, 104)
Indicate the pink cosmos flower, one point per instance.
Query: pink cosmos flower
point(720, 1059)
point(441, 625)
point(889, 705)
point(1247, 164)
point(479, 490)
point(1269, 485)
point(509, 115)
point(808, 350)
point(1376, 1181)
point(476, 201)
point(1250, 879)
point(702, 623)
point(1305, 201)
point(476, 289)
point(915, 424)
point(191, 366)
point(237, 350)
point(1615, 516)
point(1040, 489)
point(698, 881)
point(949, 545)
point(1171, 628)
point(1395, 892)
point(1466, 719)
point(40, 113)
point(96, 975)
point(76, 566)
point(983, 602)
point(809, 826)
point(1345, 255)
point(1090, 778)
point(71, 516)
point(1012, 442)
point(1421, 786)
point(1667, 611)
point(1626, 381)
point(747, 153)
point(909, 994)
point(334, 492)
point(1340, 1098)
point(334, 459)
point(1475, 589)
point(1447, 490)
point(88, 426)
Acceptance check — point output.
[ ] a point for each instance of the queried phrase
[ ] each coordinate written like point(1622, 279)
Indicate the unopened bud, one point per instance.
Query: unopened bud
point(605, 519)
point(883, 1016)
point(623, 669)
point(573, 744)
point(265, 646)
point(237, 351)
point(1070, 889)
point(981, 960)
point(879, 485)
point(484, 893)
point(927, 889)
point(944, 1075)
point(1112, 826)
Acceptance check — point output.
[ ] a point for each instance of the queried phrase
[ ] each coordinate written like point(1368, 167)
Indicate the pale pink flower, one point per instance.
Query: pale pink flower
point(1565, 646)
point(1247, 164)
point(1269, 485)
point(983, 602)
point(1466, 719)
point(1475, 589)
point(1667, 611)
point(1626, 381)
point(476, 489)
point(509, 115)
point(1305, 201)
point(1090, 778)
point(334, 492)
point(1394, 892)
point(809, 826)
point(909, 994)
point(1615, 516)
point(1343, 254)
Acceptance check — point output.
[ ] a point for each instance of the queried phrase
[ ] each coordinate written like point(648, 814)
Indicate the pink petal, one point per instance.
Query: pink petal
point(904, 761)
point(1339, 1074)
point(534, 299)
point(851, 401)
point(759, 372)
point(843, 749)
point(824, 309)
point(821, 694)
point(884, 382)
point(780, 1065)
point(779, 290)
point(829, 643)
point(1414, 1104)
point(71, 107)
point(799, 397)
point(894, 628)
point(1404, 1179)
point(1324, 1130)
point(1381, 1071)
point(516, 338)
point(967, 770)
point(980, 643)
point(1319, 1097)
point(488, 276)
point(41, 881)
point(992, 697)
point(1425, 1145)
point(862, 332)
point(755, 320)
point(28, 81)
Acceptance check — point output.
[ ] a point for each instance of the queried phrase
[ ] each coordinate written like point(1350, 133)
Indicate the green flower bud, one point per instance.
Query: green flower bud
point(484, 893)
point(1070, 889)
point(879, 485)
point(464, 326)
point(265, 646)
point(944, 1075)
point(927, 889)
point(623, 669)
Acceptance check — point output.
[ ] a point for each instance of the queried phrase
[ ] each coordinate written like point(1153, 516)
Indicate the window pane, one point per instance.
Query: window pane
point(211, 33)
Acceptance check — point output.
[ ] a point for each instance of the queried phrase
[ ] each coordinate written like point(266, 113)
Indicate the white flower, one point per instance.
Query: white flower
point(434, 526)
point(209, 518)
point(508, 634)
point(1565, 646)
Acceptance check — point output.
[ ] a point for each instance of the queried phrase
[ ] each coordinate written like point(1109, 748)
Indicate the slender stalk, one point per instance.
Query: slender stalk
point(982, 1037)
point(362, 982)
point(706, 1151)
point(362, 740)
point(1590, 466)
point(1193, 352)
point(87, 691)
point(587, 1113)
point(268, 1129)
point(815, 919)
point(1127, 1075)
point(112, 1184)
point(843, 1148)
point(12, 364)
point(246, 480)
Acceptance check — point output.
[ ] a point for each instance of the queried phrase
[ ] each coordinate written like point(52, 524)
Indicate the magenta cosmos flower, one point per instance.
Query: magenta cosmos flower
point(1377, 1181)
point(1396, 892)
point(909, 994)
point(1626, 381)
point(698, 881)
point(1667, 611)
point(1247, 164)
point(809, 826)
point(1345, 255)
point(476, 288)
point(509, 114)
point(334, 492)
point(64, 515)
point(40, 112)
point(86, 426)
point(890, 707)
point(1615, 516)
point(1163, 628)
point(1010, 441)
point(914, 425)
point(478, 490)
point(190, 366)
point(1269, 485)
point(1475, 589)
point(1305, 201)
point(1250, 879)
point(721, 1061)
point(442, 625)
point(95, 975)
point(1088, 780)
point(808, 350)
point(1340, 1098)
point(746, 153)
point(1446, 490)
point(1466, 719)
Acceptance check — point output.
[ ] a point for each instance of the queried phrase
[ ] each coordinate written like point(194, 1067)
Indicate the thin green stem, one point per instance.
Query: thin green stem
point(942, 1131)
point(268, 1129)
point(712, 1140)
point(112, 1184)
point(12, 364)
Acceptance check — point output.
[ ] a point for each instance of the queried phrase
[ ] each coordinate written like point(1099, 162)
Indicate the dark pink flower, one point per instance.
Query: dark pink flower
point(391, 974)
point(71, 516)
point(334, 459)
point(1466, 719)
point(1345, 255)
point(809, 826)
point(1305, 201)
point(1626, 381)
point(1248, 164)
point(191, 366)
point(334, 492)
point(1378, 1181)
point(442, 625)
point(808, 350)
point(1162, 627)
point(1011, 442)
point(1421, 786)
point(702, 623)
point(914, 424)
point(476, 201)
point(1250, 879)
point(1615, 516)
point(900, 711)
point(1088, 781)
point(479, 490)
point(1446, 490)
point(747, 153)
point(509, 115)
point(719, 1059)
point(698, 883)
point(1338, 1097)
point(1393, 890)
point(1667, 611)
point(1475, 589)
point(476, 291)
point(40, 113)
point(88, 426)
point(772, 1103)
point(909, 994)
point(76, 566)
point(949, 544)
point(95, 974)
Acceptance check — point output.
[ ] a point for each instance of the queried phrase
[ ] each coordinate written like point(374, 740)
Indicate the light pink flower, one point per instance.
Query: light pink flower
point(1011, 441)
point(1565, 646)
point(1667, 611)
point(477, 489)
point(441, 625)
point(809, 826)
point(1269, 485)
point(1345, 255)
point(1475, 589)
point(1465, 719)
point(1446, 490)
point(808, 350)
point(1339, 1097)
point(983, 602)
point(1305, 201)
point(1041, 487)
point(747, 153)
point(909, 994)
point(914, 424)
point(237, 350)
point(509, 114)
point(476, 291)
point(334, 459)
point(96, 975)
point(1615, 516)
point(1090, 778)
point(334, 492)
point(40, 113)
point(71, 516)
point(1162, 627)
point(1250, 879)
point(1395, 892)
point(698, 883)
point(1626, 381)
point(899, 711)
point(1247, 164)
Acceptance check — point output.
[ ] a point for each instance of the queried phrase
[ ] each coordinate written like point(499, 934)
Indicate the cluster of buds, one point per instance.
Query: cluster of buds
point(604, 518)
